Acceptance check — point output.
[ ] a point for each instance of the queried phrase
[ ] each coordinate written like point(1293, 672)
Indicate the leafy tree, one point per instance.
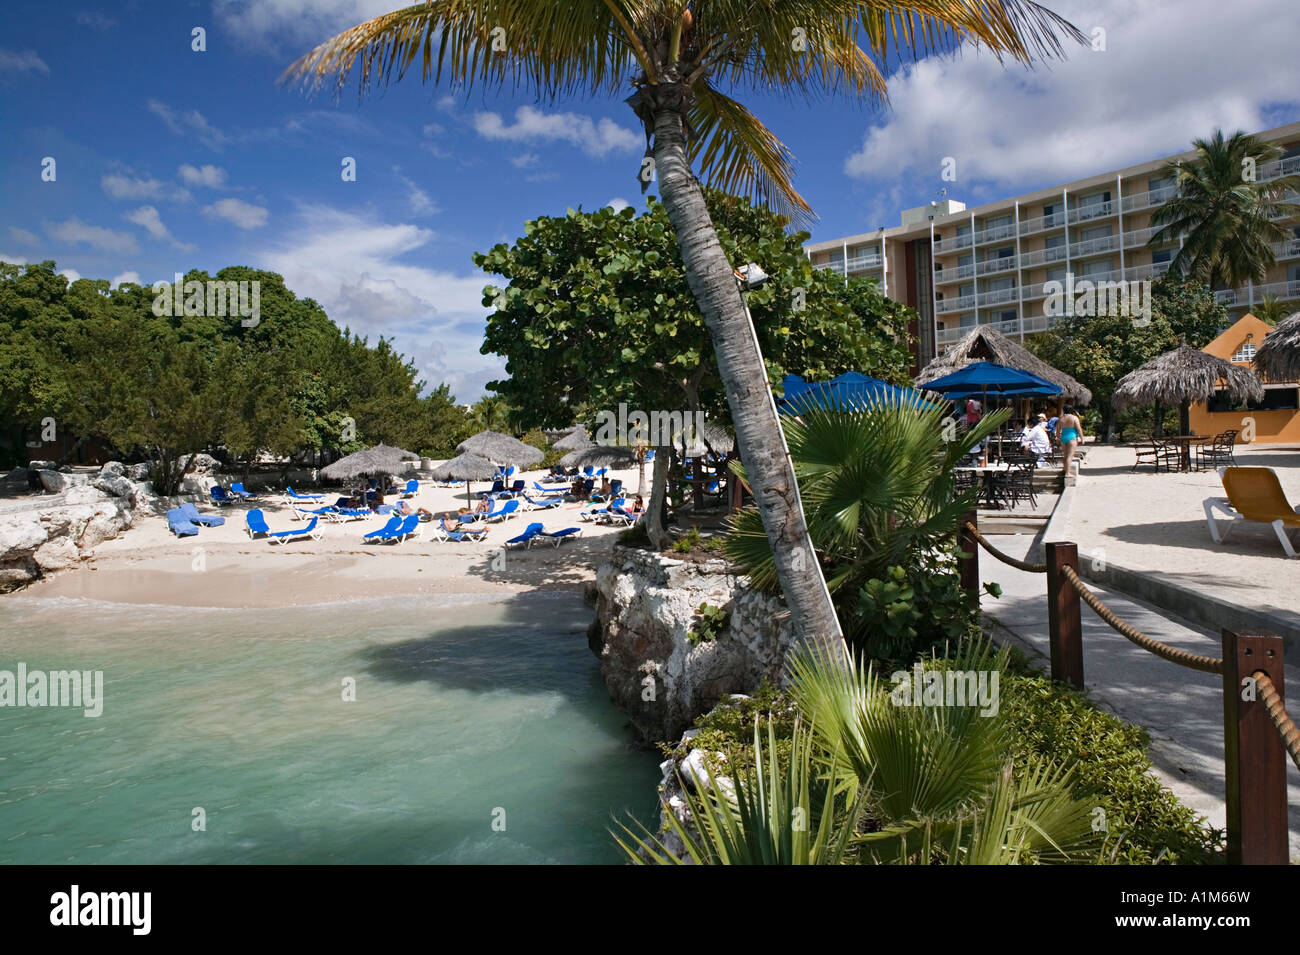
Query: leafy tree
point(1225, 213)
point(678, 63)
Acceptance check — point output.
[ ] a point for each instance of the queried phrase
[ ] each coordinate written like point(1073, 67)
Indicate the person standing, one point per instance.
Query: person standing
point(1052, 422)
point(973, 413)
point(1071, 435)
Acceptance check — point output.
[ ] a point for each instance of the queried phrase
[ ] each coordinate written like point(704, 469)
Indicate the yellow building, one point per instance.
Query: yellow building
point(1275, 419)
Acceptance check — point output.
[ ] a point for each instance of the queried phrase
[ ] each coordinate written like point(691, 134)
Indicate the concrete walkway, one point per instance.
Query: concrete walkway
point(1181, 708)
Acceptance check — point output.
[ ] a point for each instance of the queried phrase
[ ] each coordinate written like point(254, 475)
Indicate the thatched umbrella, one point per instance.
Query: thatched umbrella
point(986, 344)
point(600, 456)
point(501, 449)
point(574, 440)
point(709, 439)
point(1278, 359)
point(1182, 376)
point(467, 467)
point(381, 459)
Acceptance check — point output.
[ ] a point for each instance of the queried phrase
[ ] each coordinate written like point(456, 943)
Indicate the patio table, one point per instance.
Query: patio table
point(986, 472)
point(1184, 444)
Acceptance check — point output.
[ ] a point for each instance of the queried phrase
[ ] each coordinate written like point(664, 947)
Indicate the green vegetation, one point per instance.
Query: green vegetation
point(713, 620)
point(102, 364)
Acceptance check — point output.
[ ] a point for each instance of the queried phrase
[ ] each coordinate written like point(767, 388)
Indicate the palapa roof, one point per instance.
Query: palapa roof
point(465, 467)
point(381, 459)
point(600, 456)
point(1185, 374)
point(575, 439)
point(718, 440)
point(986, 344)
point(1278, 358)
point(501, 448)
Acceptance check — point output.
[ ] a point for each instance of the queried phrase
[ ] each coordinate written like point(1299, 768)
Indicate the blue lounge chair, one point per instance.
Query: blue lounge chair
point(471, 518)
point(412, 488)
point(220, 497)
point(507, 509)
point(544, 503)
point(596, 512)
point(553, 489)
point(497, 488)
point(255, 523)
point(329, 513)
point(240, 491)
point(179, 524)
point(283, 537)
point(526, 538)
point(203, 520)
point(293, 495)
point(443, 535)
point(386, 531)
point(559, 537)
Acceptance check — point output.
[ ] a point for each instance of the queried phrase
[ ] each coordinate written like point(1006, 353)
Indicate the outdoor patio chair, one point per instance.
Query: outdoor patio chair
point(526, 538)
point(281, 537)
point(1254, 494)
point(1219, 452)
point(239, 491)
point(560, 536)
point(219, 496)
point(1148, 452)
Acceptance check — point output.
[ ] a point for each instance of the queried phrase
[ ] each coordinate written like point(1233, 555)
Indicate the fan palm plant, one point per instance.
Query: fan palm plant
point(877, 483)
point(1228, 218)
point(677, 58)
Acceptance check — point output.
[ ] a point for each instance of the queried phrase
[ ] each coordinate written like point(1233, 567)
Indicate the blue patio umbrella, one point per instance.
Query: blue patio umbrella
point(985, 377)
point(843, 393)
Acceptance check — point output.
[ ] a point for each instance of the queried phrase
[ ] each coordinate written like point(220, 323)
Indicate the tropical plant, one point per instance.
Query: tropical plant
point(678, 61)
point(1224, 213)
point(1271, 309)
point(878, 487)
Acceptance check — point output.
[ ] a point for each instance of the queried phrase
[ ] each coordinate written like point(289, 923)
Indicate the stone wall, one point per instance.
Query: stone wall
point(646, 606)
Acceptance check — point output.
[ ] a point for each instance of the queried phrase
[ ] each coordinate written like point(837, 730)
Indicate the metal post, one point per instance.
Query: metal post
point(1255, 761)
point(1065, 628)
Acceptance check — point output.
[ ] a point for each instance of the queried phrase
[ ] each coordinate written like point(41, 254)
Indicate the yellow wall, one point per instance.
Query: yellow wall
point(1270, 426)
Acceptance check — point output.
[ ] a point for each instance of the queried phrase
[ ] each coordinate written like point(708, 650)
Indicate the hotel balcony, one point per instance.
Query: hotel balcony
point(1278, 168)
point(961, 304)
point(1094, 210)
point(1031, 226)
point(1145, 200)
point(1286, 291)
point(1043, 256)
point(958, 274)
point(999, 296)
point(1288, 249)
point(942, 246)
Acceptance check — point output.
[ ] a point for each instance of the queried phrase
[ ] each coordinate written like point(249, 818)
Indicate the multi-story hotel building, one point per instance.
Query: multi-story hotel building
point(989, 265)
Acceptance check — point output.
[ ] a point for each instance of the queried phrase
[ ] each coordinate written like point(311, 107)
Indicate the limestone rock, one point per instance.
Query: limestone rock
point(54, 481)
point(56, 554)
point(83, 494)
point(113, 467)
point(21, 537)
point(204, 464)
point(114, 484)
point(42, 466)
point(138, 472)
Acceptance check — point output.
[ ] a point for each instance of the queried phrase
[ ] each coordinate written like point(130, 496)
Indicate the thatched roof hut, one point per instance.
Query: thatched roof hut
point(600, 456)
point(465, 467)
point(381, 459)
point(501, 448)
point(986, 344)
point(1278, 359)
point(574, 440)
point(1184, 375)
point(711, 436)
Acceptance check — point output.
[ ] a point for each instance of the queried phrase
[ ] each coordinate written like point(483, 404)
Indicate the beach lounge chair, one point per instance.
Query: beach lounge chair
point(507, 510)
point(239, 491)
point(559, 537)
point(526, 538)
point(203, 520)
point(255, 523)
point(385, 532)
point(329, 513)
point(514, 490)
point(412, 488)
point(497, 488)
point(283, 537)
point(595, 513)
point(219, 496)
point(179, 524)
point(293, 495)
point(1254, 494)
point(544, 503)
point(442, 535)
point(618, 517)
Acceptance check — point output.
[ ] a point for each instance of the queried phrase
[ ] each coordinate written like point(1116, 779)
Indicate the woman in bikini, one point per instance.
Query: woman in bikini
point(1071, 434)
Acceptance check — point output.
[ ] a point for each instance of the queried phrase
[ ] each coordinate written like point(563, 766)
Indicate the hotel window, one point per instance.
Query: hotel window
point(964, 290)
point(963, 230)
point(1096, 232)
point(1276, 398)
point(1050, 217)
point(1009, 315)
point(1006, 252)
point(1246, 353)
point(1160, 184)
point(968, 319)
point(1001, 283)
point(1057, 274)
point(999, 227)
point(1097, 266)
point(964, 260)
point(1160, 256)
point(1094, 205)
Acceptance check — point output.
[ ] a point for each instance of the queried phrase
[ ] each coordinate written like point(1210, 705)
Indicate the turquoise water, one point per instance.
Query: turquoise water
point(468, 712)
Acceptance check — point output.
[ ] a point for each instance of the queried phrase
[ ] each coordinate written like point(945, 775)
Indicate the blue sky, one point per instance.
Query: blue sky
point(170, 159)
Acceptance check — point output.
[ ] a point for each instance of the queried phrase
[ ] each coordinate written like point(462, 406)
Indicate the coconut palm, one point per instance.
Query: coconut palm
point(1225, 214)
point(1271, 309)
point(677, 58)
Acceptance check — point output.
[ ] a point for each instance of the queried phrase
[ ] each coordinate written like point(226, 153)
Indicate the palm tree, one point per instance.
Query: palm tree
point(1225, 214)
point(1271, 309)
point(677, 62)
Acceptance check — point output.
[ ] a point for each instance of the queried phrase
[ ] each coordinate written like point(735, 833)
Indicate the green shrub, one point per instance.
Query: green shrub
point(688, 541)
point(713, 620)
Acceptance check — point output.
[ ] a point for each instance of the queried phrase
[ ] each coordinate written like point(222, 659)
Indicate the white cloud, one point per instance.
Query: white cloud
point(618, 204)
point(23, 237)
point(213, 177)
point(13, 259)
point(532, 125)
point(446, 103)
point(71, 275)
point(434, 129)
point(147, 218)
point(355, 266)
point(95, 20)
point(237, 211)
point(524, 160)
point(1163, 79)
point(126, 187)
point(420, 203)
point(292, 23)
point(128, 276)
point(75, 231)
point(15, 62)
point(191, 124)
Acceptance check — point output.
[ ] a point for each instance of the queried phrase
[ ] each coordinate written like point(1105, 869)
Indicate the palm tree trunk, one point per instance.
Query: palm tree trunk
point(654, 521)
point(740, 365)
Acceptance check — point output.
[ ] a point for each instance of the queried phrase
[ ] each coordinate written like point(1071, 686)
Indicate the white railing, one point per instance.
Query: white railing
point(945, 276)
point(1288, 249)
point(1093, 210)
point(1286, 291)
point(959, 304)
point(1011, 327)
point(1043, 256)
point(1278, 168)
point(956, 242)
point(1152, 270)
point(863, 262)
point(1053, 221)
point(994, 266)
point(998, 296)
point(1145, 200)
point(1007, 231)
point(1104, 243)
point(1139, 236)
point(949, 336)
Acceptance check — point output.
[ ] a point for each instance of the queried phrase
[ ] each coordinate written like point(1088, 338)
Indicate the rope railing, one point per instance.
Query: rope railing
point(1182, 657)
point(1005, 558)
point(1282, 721)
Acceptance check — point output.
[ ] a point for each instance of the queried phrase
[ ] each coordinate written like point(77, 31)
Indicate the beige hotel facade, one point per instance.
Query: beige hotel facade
point(991, 264)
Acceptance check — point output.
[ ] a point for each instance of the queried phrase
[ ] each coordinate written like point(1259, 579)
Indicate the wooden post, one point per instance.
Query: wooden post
point(1255, 761)
point(1065, 629)
point(968, 568)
